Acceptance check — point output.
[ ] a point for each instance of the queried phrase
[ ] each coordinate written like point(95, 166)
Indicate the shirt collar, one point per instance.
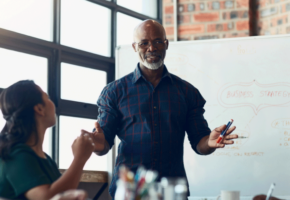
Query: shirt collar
point(137, 74)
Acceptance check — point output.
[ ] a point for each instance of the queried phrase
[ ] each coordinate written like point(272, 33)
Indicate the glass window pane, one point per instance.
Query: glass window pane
point(146, 7)
point(16, 66)
point(69, 129)
point(47, 137)
point(125, 28)
point(81, 84)
point(29, 17)
point(86, 26)
point(47, 142)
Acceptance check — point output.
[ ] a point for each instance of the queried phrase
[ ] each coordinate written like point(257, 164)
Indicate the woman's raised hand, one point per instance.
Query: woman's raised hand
point(83, 147)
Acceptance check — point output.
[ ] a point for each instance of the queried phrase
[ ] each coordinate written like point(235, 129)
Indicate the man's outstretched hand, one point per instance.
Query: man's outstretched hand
point(227, 139)
point(98, 138)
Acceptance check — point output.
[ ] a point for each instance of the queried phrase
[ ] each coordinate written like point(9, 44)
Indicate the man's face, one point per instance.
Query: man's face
point(151, 45)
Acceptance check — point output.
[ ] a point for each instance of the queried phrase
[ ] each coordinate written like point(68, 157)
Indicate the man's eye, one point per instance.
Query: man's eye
point(143, 43)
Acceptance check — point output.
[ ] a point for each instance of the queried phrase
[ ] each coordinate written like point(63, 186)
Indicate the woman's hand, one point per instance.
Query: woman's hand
point(98, 138)
point(83, 147)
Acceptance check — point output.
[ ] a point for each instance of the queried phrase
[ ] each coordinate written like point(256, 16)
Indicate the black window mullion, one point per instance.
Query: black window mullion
point(84, 60)
point(22, 43)
point(55, 141)
point(113, 5)
point(56, 21)
point(54, 78)
point(159, 11)
point(111, 74)
point(54, 93)
point(113, 32)
point(132, 13)
point(78, 109)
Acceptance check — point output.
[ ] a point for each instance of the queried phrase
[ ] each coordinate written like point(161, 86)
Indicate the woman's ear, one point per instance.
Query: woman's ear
point(39, 110)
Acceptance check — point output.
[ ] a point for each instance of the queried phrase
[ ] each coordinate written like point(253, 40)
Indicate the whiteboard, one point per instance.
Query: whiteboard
point(245, 79)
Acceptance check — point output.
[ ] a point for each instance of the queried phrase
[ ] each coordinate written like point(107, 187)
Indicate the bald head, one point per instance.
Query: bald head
point(149, 28)
point(151, 44)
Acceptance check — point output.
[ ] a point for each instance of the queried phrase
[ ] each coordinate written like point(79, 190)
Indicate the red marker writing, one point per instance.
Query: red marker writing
point(224, 131)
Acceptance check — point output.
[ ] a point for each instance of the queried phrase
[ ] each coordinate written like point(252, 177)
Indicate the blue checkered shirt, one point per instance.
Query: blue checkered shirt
point(151, 122)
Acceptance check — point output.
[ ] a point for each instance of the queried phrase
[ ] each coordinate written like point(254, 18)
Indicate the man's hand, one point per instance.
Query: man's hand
point(227, 139)
point(208, 144)
point(98, 138)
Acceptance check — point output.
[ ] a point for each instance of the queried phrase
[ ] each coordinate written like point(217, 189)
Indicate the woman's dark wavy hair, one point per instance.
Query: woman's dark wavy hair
point(17, 105)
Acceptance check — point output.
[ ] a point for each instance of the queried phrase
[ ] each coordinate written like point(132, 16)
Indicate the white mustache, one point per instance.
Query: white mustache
point(149, 55)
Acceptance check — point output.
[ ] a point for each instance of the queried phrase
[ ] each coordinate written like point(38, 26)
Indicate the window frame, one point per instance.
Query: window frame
point(57, 53)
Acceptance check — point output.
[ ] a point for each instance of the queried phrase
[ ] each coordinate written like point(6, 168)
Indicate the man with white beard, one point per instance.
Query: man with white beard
point(150, 110)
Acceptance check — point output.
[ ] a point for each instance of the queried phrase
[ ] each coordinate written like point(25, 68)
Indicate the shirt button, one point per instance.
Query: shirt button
point(154, 107)
point(155, 124)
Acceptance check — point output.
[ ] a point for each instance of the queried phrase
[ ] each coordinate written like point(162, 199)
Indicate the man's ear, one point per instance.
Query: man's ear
point(167, 44)
point(39, 109)
point(134, 46)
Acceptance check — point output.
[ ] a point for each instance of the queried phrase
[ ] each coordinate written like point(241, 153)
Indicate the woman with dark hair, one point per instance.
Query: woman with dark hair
point(26, 172)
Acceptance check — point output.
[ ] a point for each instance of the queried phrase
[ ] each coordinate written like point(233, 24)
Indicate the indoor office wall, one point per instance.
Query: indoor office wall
point(210, 19)
point(274, 17)
point(207, 19)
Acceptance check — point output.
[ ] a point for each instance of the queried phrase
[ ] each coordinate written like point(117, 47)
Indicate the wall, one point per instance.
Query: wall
point(210, 19)
point(274, 17)
point(207, 19)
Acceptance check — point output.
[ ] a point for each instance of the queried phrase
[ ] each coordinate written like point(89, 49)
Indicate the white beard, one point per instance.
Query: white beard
point(152, 66)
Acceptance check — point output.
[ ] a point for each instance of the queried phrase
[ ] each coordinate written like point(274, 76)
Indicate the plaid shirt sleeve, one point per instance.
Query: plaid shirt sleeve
point(196, 126)
point(108, 113)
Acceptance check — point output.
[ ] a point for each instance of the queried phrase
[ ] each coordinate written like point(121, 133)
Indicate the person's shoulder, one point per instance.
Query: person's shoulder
point(20, 149)
point(120, 83)
point(18, 154)
point(52, 163)
point(50, 160)
point(182, 83)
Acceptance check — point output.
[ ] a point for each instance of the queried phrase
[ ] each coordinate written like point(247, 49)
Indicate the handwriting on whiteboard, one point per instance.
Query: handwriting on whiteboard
point(230, 154)
point(245, 135)
point(243, 50)
point(255, 95)
point(281, 123)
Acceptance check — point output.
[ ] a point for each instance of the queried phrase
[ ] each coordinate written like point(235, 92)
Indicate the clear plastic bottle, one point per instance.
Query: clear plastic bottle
point(180, 189)
point(168, 185)
point(121, 190)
